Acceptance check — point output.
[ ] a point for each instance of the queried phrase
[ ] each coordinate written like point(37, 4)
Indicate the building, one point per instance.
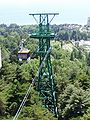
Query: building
point(88, 22)
point(84, 43)
point(0, 59)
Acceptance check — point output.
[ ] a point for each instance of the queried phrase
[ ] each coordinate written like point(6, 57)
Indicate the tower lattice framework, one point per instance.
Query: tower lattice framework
point(45, 82)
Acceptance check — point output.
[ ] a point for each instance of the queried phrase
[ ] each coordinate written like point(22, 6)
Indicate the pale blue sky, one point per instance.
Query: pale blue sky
point(70, 11)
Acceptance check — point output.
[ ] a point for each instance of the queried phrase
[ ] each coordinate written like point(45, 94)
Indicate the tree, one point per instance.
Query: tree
point(15, 95)
point(2, 108)
point(73, 102)
point(72, 56)
point(9, 71)
point(80, 54)
point(88, 59)
point(74, 35)
point(66, 36)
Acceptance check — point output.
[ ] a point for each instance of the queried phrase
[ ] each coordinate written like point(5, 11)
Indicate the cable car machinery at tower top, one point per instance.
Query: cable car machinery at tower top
point(44, 78)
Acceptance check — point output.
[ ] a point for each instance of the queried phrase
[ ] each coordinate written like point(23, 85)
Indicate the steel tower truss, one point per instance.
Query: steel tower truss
point(45, 83)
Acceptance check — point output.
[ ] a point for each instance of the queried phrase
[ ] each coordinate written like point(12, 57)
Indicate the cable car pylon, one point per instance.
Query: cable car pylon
point(44, 78)
point(45, 83)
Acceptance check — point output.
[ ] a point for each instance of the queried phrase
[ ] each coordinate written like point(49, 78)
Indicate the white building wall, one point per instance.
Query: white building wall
point(0, 59)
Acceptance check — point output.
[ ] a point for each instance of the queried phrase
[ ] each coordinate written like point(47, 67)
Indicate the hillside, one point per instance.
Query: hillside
point(71, 71)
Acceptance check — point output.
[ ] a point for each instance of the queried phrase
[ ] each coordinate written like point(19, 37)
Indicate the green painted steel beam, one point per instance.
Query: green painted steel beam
point(45, 83)
point(44, 14)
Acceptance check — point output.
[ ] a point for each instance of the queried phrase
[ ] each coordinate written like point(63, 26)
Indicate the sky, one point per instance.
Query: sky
point(70, 11)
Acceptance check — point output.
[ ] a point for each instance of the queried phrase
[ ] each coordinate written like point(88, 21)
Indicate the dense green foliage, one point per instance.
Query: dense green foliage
point(71, 73)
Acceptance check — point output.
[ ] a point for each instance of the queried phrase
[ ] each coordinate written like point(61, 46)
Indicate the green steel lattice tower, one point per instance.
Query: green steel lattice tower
point(45, 83)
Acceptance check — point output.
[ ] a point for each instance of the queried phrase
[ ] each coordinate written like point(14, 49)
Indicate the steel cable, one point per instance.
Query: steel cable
point(30, 87)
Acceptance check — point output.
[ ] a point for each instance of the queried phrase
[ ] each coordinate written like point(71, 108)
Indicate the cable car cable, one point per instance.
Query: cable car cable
point(30, 87)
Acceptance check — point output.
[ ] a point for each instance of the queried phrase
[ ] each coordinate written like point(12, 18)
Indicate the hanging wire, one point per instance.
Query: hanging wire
point(30, 87)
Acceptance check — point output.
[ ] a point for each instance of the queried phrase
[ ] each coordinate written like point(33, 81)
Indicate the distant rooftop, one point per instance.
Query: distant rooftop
point(85, 43)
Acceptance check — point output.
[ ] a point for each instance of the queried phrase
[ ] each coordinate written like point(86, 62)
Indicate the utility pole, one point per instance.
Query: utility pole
point(45, 83)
